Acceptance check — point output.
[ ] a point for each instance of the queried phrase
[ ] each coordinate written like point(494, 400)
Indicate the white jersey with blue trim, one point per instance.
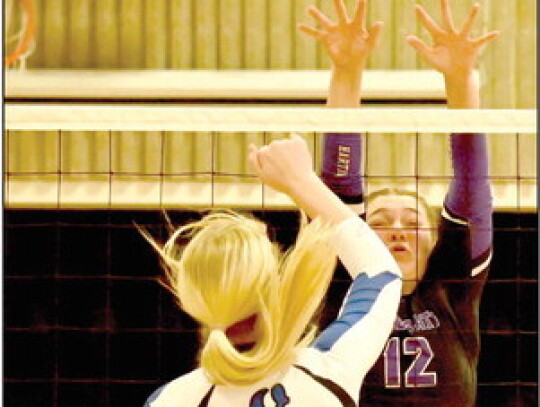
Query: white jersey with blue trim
point(330, 372)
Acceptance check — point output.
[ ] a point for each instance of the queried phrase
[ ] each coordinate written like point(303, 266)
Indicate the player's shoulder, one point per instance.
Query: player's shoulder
point(324, 364)
point(186, 388)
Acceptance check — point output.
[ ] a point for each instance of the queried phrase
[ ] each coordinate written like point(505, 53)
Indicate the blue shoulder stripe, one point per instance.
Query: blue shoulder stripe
point(363, 293)
point(154, 396)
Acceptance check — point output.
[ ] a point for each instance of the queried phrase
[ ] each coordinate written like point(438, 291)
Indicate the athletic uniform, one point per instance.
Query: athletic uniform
point(431, 356)
point(329, 373)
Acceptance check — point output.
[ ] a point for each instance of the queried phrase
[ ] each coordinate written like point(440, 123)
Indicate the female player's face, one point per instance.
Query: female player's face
point(403, 225)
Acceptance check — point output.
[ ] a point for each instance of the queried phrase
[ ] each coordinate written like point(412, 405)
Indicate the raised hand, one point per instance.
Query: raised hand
point(453, 52)
point(347, 42)
point(283, 165)
point(287, 166)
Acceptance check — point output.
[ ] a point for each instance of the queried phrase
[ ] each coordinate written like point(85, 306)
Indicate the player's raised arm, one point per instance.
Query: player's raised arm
point(287, 166)
point(454, 53)
point(348, 43)
point(345, 351)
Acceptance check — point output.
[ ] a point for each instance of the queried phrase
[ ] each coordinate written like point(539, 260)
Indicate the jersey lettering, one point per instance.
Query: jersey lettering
point(392, 364)
point(415, 375)
point(278, 393)
point(424, 321)
point(343, 161)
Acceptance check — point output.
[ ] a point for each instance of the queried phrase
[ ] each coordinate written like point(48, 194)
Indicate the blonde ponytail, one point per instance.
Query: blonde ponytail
point(230, 270)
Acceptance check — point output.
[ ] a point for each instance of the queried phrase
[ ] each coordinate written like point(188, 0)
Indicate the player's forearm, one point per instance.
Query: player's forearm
point(342, 152)
point(317, 200)
point(345, 87)
point(462, 91)
point(341, 166)
point(470, 182)
point(469, 196)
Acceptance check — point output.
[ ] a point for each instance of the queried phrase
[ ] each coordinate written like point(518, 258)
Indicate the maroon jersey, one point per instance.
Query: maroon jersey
point(431, 356)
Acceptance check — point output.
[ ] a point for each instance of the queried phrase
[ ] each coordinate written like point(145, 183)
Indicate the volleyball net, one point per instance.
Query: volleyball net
point(81, 301)
point(157, 156)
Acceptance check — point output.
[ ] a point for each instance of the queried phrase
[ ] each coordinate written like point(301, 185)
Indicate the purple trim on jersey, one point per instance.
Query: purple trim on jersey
point(363, 294)
point(342, 154)
point(469, 196)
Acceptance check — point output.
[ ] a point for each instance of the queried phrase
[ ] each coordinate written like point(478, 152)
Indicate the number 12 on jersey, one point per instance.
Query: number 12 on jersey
point(415, 375)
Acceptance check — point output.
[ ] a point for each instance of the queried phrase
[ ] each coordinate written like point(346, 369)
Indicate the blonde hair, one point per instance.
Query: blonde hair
point(230, 270)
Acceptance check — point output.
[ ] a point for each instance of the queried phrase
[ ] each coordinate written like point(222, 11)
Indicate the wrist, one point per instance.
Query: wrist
point(463, 90)
point(317, 200)
point(349, 69)
point(347, 75)
point(345, 87)
point(300, 184)
point(466, 77)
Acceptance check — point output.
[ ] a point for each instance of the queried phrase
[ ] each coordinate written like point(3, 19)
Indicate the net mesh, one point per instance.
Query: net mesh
point(87, 324)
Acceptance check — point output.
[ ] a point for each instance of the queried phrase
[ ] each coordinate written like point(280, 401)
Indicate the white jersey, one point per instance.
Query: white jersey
point(330, 372)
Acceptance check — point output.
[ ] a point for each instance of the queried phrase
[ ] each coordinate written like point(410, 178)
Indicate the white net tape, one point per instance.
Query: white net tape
point(284, 119)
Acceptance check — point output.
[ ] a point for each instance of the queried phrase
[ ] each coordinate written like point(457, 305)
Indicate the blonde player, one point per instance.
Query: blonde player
point(255, 304)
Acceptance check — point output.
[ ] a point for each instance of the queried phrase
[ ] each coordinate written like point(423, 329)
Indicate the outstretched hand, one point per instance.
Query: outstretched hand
point(453, 52)
point(347, 42)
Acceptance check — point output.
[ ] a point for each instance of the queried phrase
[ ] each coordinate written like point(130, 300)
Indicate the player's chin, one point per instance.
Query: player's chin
point(405, 259)
point(409, 269)
point(404, 255)
point(408, 287)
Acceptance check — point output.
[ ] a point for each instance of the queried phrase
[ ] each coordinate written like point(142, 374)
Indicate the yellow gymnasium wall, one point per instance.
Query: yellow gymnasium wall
point(261, 34)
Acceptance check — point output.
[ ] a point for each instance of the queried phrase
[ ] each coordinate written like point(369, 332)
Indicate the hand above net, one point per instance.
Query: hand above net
point(348, 42)
point(454, 51)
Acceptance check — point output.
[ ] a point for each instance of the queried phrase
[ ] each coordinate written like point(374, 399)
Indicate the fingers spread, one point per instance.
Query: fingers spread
point(311, 31)
point(375, 32)
point(319, 16)
point(341, 11)
point(471, 19)
point(359, 19)
point(448, 21)
point(427, 21)
point(484, 39)
point(418, 45)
